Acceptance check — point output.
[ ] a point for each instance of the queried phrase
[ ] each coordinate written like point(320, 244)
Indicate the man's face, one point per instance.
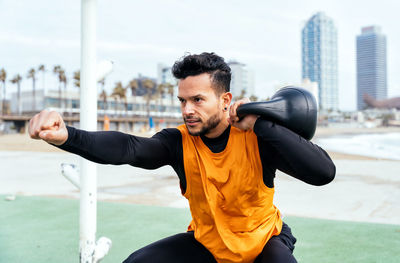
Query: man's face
point(202, 109)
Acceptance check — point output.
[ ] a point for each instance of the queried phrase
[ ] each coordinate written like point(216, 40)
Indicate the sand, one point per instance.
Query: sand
point(22, 142)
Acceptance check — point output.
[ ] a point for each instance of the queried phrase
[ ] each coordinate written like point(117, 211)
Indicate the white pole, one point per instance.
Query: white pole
point(88, 121)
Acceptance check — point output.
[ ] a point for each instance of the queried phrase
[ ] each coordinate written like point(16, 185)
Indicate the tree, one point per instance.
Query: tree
point(77, 79)
point(102, 82)
point(241, 96)
point(119, 93)
point(42, 68)
point(77, 84)
point(3, 78)
point(149, 86)
point(103, 94)
point(161, 91)
point(103, 97)
point(253, 98)
point(63, 79)
point(32, 75)
point(17, 80)
point(56, 70)
point(170, 91)
point(134, 86)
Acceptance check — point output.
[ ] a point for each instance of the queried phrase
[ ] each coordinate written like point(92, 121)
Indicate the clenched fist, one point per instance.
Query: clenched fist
point(48, 126)
point(247, 123)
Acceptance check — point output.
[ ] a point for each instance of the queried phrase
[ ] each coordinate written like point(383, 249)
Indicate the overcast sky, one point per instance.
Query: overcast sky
point(136, 35)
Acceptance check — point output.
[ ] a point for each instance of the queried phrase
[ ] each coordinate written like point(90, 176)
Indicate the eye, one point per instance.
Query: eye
point(181, 100)
point(198, 99)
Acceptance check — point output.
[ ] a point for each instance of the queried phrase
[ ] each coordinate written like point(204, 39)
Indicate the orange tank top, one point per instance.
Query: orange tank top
point(233, 214)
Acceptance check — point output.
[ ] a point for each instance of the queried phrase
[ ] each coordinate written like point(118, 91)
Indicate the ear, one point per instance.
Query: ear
point(226, 99)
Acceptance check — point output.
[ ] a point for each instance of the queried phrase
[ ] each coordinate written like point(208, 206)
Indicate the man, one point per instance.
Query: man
point(226, 168)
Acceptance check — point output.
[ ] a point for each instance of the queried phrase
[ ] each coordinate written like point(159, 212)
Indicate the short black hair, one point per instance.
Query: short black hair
point(193, 65)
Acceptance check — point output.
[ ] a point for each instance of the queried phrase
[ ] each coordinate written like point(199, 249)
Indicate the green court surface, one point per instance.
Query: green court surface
point(38, 229)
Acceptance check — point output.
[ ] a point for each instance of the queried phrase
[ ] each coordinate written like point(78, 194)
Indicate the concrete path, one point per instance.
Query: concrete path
point(363, 190)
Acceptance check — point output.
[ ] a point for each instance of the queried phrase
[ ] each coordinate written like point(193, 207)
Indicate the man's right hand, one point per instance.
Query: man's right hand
point(48, 126)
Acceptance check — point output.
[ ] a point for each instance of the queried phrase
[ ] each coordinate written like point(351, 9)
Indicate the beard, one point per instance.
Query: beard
point(210, 124)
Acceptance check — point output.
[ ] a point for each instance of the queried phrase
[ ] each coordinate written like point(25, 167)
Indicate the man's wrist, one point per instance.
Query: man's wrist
point(253, 121)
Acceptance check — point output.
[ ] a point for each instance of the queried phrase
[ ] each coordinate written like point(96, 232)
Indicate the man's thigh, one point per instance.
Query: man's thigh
point(179, 248)
point(279, 249)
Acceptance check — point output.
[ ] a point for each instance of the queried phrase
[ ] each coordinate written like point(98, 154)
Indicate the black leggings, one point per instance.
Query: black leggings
point(184, 248)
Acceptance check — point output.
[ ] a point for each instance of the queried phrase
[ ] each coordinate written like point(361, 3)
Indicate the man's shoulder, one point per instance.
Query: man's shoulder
point(168, 134)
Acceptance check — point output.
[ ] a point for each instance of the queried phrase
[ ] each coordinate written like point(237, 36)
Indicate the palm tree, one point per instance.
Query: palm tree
point(17, 80)
point(77, 79)
point(134, 86)
point(32, 75)
point(77, 83)
point(149, 86)
point(241, 96)
point(103, 96)
point(161, 91)
point(42, 68)
point(63, 79)
point(3, 78)
point(170, 91)
point(253, 98)
point(119, 92)
point(56, 71)
point(102, 82)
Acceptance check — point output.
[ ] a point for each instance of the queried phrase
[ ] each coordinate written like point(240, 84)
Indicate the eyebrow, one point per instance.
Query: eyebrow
point(192, 97)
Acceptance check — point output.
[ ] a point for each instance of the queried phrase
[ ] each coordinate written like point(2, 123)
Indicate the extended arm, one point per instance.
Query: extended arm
point(163, 148)
point(118, 148)
point(284, 150)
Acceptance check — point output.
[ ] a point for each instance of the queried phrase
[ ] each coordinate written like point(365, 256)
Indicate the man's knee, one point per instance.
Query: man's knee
point(275, 251)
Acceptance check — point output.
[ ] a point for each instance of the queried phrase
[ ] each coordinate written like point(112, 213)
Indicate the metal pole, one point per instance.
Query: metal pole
point(88, 121)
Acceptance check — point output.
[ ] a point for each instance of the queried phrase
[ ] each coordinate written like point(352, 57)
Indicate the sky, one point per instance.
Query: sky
point(137, 35)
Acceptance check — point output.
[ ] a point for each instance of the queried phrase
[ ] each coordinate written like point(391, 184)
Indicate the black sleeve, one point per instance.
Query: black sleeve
point(282, 149)
point(111, 147)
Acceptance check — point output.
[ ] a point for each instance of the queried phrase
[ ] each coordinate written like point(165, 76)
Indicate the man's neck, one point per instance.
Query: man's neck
point(217, 131)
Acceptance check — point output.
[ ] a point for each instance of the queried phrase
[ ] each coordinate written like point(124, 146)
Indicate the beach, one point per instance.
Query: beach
point(366, 189)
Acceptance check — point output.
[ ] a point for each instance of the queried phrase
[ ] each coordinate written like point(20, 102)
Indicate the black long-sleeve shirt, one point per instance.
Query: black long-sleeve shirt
point(279, 148)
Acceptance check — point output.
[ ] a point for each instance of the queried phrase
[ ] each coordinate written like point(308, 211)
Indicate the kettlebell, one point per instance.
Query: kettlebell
point(292, 107)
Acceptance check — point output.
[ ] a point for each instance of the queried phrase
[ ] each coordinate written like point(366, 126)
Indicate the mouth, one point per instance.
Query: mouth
point(192, 122)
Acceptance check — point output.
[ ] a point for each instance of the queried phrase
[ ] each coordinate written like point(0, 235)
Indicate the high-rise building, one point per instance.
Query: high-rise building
point(319, 58)
point(371, 65)
point(312, 87)
point(242, 80)
point(164, 74)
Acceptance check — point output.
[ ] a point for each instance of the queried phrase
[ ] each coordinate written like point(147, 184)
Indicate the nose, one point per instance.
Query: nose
point(187, 109)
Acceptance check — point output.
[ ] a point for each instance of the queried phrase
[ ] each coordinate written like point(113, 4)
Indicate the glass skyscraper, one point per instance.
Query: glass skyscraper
point(319, 58)
point(371, 65)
